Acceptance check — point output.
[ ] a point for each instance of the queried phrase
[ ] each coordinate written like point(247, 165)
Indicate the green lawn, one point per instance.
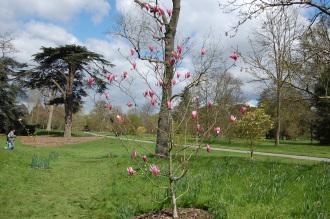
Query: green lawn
point(89, 180)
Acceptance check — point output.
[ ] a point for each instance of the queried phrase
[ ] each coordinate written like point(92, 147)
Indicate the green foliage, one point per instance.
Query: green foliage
point(10, 110)
point(253, 125)
point(141, 130)
point(296, 113)
point(55, 67)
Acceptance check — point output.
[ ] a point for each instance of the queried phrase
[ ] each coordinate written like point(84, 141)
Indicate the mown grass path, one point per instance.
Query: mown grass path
point(290, 156)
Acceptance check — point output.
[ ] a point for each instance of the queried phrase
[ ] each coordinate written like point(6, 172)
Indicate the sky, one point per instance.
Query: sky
point(36, 23)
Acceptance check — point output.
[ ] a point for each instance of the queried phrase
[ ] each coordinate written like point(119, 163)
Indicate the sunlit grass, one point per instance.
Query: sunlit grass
point(89, 180)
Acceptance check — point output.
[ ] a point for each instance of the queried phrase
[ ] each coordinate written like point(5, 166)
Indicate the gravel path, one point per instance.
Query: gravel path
point(290, 156)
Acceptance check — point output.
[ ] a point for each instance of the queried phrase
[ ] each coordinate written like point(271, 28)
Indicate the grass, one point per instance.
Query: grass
point(89, 180)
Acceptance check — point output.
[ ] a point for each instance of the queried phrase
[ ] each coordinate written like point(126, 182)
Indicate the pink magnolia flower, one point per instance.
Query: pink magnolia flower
point(161, 29)
point(132, 51)
point(153, 101)
point(108, 106)
point(173, 82)
point(151, 93)
point(232, 118)
point(160, 82)
point(154, 170)
point(145, 158)
point(125, 75)
point(172, 62)
point(147, 6)
point(111, 77)
point(169, 12)
point(169, 105)
point(119, 119)
point(217, 130)
point(133, 65)
point(129, 104)
point(203, 51)
point(154, 9)
point(178, 74)
point(130, 171)
point(134, 154)
point(209, 103)
point(208, 148)
point(161, 11)
point(106, 94)
point(175, 55)
point(90, 81)
point(151, 48)
point(194, 114)
point(196, 98)
point(187, 75)
point(243, 109)
point(180, 49)
point(234, 56)
point(146, 93)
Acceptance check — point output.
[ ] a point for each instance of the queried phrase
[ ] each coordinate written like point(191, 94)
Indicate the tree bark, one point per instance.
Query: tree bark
point(68, 104)
point(278, 115)
point(163, 129)
point(163, 119)
point(51, 112)
point(50, 118)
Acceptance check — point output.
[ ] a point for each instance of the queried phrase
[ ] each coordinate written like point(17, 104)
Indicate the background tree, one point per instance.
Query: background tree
point(65, 68)
point(272, 48)
point(247, 10)
point(253, 126)
point(10, 110)
point(223, 91)
point(322, 123)
point(297, 116)
point(313, 61)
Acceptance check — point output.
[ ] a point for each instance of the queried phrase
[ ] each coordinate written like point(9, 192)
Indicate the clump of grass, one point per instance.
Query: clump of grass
point(39, 162)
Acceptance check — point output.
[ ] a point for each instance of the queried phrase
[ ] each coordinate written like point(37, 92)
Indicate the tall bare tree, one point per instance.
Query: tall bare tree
point(249, 9)
point(272, 47)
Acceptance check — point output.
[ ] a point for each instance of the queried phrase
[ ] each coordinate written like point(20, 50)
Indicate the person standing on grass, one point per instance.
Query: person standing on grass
point(10, 140)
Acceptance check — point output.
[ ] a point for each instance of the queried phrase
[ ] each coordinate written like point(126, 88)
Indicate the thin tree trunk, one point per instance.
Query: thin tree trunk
point(68, 105)
point(50, 118)
point(172, 182)
point(174, 210)
point(278, 115)
point(163, 119)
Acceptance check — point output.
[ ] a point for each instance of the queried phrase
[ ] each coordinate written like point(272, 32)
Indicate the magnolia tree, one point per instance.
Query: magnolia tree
point(156, 58)
point(151, 31)
point(253, 125)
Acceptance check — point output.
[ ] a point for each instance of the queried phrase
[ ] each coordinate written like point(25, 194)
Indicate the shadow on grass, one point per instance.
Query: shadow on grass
point(59, 133)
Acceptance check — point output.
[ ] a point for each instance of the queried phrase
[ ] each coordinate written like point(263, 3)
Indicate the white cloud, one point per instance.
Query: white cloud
point(37, 34)
point(63, 10)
